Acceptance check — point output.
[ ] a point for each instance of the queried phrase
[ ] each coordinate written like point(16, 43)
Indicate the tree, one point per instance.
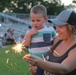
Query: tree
point(24, 6)
point(54, 7)
point(4, 4)
point(74, 1)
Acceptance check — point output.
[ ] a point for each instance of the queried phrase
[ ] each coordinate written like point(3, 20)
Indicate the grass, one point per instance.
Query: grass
point(15, 64)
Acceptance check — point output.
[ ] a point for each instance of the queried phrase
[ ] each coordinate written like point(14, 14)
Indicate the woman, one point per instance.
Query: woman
point(62, 54)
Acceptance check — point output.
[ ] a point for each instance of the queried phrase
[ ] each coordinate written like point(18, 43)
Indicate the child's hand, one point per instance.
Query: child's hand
point(33, 31)
point(33, 69)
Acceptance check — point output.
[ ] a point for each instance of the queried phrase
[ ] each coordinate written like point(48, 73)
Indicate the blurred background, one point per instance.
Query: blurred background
point(14, 22)
point(15, 18)
point(14, 14)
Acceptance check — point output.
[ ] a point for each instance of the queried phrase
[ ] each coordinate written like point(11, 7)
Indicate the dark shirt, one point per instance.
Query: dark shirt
point(50, 57)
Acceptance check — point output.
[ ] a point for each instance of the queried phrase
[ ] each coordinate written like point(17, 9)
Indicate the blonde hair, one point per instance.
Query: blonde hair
point(39, 9)
point(72, 28)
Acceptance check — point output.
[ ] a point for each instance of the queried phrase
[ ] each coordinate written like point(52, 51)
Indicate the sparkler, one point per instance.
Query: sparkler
point(44, 60)
point(43, 57)
point(18, 48)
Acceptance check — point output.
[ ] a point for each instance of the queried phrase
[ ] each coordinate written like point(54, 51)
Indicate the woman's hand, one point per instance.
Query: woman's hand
point(31, 59)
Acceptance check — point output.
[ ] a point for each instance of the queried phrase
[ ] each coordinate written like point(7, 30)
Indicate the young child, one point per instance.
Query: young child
point(39, 38)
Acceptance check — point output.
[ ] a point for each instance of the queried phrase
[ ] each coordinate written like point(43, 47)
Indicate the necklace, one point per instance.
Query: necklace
point(54, 52)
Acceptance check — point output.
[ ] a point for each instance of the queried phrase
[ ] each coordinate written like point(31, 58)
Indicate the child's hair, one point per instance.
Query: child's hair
point(39, 9)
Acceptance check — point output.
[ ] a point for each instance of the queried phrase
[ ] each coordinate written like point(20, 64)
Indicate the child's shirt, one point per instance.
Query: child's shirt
point(41, 41)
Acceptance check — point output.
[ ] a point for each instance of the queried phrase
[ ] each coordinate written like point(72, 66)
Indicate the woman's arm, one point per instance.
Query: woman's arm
point(68, 65)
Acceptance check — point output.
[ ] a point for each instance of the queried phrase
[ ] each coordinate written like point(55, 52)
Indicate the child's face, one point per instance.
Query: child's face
point(37, 20)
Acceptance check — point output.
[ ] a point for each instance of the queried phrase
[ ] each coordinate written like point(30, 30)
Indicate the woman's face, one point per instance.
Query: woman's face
point(63, 32)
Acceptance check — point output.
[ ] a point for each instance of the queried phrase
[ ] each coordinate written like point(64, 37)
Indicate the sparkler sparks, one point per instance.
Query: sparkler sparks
point(7, 60)
point(7, 51)
point(18, 48)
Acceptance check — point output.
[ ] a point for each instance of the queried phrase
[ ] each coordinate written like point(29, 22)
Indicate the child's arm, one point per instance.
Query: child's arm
point(27, 39)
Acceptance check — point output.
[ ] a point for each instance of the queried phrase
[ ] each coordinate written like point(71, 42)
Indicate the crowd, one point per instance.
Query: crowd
point(9, 38)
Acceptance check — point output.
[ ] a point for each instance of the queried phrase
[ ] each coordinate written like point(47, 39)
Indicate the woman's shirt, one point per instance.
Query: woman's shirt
point(53, 58)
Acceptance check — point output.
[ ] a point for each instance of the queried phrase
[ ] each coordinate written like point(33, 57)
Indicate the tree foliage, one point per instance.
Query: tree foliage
point(24, 6)
point(54, 7)
point(4, 4)
point(74, 1)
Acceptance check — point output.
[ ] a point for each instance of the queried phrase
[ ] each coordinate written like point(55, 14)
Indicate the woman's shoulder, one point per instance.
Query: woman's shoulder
point(56, 39)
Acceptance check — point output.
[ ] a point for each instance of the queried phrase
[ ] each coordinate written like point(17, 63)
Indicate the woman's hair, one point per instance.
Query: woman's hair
point(39, 9)
point(72, 28)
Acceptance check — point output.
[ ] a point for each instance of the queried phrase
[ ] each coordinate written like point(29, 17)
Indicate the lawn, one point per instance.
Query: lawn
point(12, 63)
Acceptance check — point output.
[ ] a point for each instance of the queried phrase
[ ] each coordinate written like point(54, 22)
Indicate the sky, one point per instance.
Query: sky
point(66, 2)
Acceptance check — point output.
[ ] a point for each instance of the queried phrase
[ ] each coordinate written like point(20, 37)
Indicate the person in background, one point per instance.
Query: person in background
point(9, 37)
point(21, 38)
point(39, 37)
point(62, 59)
